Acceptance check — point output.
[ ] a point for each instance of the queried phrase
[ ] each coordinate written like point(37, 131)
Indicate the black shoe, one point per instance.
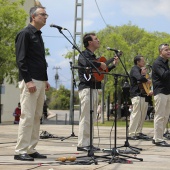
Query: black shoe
point(144, 137)
point(153, 141)
point(133, 138)
point(23, 157)
point(87, 148)
point(141, 134)
point(37, 155)
point(163, 144)
point(166, 135)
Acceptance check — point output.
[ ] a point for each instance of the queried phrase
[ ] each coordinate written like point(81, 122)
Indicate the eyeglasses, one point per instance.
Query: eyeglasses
point(43, 14)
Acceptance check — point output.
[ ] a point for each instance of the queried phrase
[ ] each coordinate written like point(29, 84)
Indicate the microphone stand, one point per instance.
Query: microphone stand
point(90, 149)
point(134, 150)
point(125, 92)
point(114, 151)
point(74, 85)
point(72, 115)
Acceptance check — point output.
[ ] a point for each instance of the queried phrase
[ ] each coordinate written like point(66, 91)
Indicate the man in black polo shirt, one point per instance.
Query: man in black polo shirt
point(161, 90)
point(139, 100)
point(91, 43)
point(33, 81)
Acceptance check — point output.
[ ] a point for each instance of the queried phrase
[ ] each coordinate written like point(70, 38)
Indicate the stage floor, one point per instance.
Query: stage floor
point(153, 156)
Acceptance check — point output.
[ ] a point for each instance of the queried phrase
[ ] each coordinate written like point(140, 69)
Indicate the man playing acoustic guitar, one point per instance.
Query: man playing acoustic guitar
point(139, 99)
point(91, 43)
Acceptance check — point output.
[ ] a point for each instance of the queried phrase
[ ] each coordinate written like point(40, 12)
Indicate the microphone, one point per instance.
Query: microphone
point(56, 26)
point(112, 49)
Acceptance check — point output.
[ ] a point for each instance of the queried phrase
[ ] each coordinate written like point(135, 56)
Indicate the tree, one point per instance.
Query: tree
point(12, 19)
point(132, 40)
point(59, 99)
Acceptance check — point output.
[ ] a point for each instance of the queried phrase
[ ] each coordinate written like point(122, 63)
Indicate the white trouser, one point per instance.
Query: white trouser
point(162, 112)
point(31, 112)
point(137, 117)
point(84, 122)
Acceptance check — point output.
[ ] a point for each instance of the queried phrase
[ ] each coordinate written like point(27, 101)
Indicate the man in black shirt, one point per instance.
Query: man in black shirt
point(138, 98)
point(91, 43)
point(33, 81)
point(161, 90)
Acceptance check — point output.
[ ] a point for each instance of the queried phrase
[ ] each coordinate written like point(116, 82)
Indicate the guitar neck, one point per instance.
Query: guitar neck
point(109, 61)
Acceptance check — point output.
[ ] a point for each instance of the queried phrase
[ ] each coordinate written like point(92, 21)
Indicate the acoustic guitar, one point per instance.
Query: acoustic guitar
point(146, 86)
point(100, 77)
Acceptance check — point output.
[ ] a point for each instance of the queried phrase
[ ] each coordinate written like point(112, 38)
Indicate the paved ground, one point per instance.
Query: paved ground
point(153, 157)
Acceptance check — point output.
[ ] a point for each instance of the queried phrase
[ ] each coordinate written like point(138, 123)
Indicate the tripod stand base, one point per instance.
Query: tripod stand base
point(111, 150)
point(131, 150)
point(87, 161)
point(93, 158)
point(72, 135)
point(115, 153)
point(120, 160)
point(89, 155)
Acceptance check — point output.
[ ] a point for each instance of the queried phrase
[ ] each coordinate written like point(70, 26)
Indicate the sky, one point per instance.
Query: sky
point(151, 15)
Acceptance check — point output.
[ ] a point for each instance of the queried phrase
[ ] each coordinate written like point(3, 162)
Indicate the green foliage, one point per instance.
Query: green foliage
point(132, 40)
point(122, 123)
point(47, 52)
point(12, 19)
point(60, 99)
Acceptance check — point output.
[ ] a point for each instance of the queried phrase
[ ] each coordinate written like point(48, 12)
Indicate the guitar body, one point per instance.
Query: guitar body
point(100, 77)
point(147, 87)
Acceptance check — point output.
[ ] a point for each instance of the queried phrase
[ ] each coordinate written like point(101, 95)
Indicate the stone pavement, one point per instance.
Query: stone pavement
point(154, 157)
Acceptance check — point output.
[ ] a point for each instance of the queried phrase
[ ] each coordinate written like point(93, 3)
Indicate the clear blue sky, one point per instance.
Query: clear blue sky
point(152, 15)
